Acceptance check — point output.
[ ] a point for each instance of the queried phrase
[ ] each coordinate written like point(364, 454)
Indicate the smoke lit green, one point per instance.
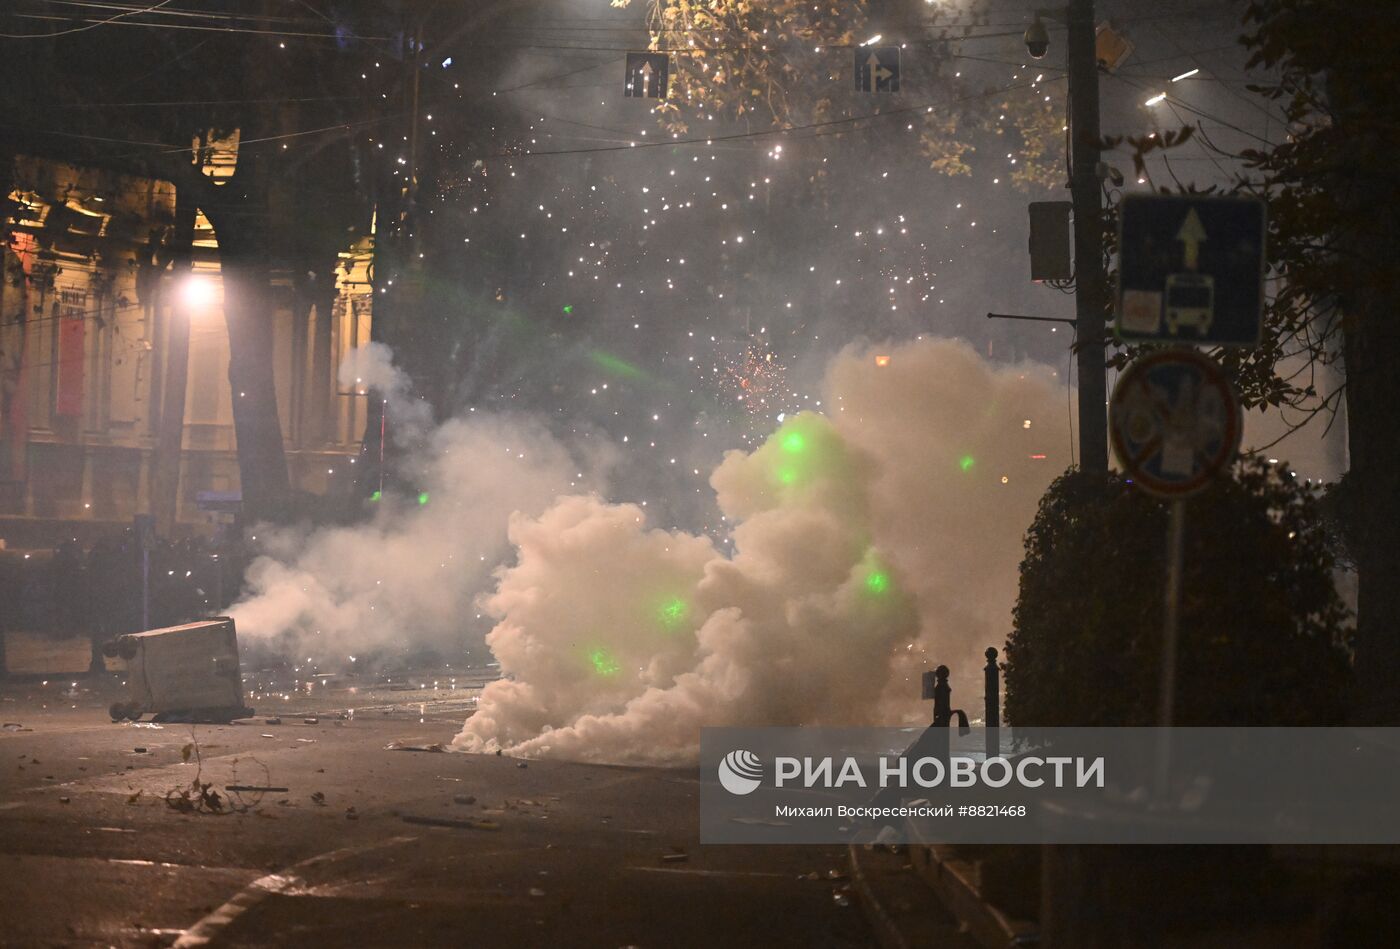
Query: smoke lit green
point(603, 662)
point(672, 612)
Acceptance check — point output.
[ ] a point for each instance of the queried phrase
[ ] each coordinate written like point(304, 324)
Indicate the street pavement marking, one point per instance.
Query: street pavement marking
point(204, 931)
point(708, 873)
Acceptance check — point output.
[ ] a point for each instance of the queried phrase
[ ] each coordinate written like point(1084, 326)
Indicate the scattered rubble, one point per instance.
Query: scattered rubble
point(450, 822)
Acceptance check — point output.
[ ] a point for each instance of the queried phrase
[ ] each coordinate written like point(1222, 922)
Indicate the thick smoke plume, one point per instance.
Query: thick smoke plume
point(866, 545)
point(407, 579)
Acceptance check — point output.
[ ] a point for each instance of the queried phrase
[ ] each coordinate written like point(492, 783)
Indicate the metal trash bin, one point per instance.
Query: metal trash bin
point(182, 673)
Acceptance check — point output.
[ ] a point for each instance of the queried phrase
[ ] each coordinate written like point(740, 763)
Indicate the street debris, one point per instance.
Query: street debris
point(436, 747)
point(522, 764)
point(200, 796)
point(464, 799)
point(15, 727)
point(350, 813)
point(681, 857)
point(311, 720)
point(139, 749)
point(467, 824)
point(258, 788)
point(63, 800)
point(318, 798)
point(536, 891)
point(272, 721)
point(307, 741)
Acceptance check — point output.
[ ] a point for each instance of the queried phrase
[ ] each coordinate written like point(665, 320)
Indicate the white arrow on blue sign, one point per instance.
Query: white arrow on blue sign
point(877, 68)
point(1191, 270)
point(647, 75)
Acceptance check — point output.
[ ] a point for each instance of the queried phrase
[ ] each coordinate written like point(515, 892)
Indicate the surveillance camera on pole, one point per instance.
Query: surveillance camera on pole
point(1037, 39)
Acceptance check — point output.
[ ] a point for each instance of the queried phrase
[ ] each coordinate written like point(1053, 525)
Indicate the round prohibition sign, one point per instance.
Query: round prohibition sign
point(1174, 422)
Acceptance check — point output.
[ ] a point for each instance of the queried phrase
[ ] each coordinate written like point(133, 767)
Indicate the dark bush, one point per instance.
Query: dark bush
point(1263, 634)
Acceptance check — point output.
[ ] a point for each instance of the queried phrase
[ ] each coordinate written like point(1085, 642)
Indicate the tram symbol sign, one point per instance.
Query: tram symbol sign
point(1174, 421)
point(1191, 270)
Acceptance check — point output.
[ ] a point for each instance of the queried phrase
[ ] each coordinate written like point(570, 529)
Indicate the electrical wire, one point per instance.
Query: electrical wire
point(81, 29)
point(116, 21)
point(766, 133)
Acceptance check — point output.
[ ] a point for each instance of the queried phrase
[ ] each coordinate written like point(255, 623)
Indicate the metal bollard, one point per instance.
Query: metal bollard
point(992, 697)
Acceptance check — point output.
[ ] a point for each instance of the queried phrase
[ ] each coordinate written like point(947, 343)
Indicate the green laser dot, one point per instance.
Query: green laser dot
point(966, 462)
point(794, 442)
point(672, 612)
point(423, 498)
point(603, 663)
point(787, 476)
point(376, 495)
point(568, 309)
point(877, 582)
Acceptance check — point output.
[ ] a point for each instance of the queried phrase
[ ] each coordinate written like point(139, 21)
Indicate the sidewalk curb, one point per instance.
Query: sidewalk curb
point(955, 884)
point(887, 934)
point(898, 906)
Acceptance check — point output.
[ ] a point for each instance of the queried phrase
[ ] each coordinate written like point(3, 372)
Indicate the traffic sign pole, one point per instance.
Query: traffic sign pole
point(1171, 609)
point(1175, 422)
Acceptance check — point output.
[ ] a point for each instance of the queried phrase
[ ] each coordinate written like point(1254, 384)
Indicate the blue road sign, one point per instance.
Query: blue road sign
point(1174, 422)
point(647, 75)
point(1190, 269)
point(877, 68)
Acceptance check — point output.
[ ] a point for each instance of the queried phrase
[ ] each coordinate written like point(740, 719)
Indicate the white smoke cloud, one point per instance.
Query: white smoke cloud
point(867, 545)
point(409, 576)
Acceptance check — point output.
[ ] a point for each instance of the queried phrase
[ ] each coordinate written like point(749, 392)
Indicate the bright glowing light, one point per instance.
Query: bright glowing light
point(794, 442)
point(877, 581)
point(966, 462)
point(882, 361)
point(423, 498)
point(873, 40)
point(197, 291)
point(1186, 75)
point(1159, 97)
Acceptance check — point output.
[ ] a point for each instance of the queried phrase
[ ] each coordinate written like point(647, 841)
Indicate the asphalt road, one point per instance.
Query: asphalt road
point(549, 854)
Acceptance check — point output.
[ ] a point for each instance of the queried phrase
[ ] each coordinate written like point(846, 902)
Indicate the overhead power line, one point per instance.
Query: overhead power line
point(81, 29)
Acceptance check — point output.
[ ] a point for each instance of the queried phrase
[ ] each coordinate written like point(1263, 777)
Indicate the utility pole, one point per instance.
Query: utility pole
point(1088, 236)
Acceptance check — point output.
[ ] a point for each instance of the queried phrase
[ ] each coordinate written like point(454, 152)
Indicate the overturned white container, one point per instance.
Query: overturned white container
point(186, 673)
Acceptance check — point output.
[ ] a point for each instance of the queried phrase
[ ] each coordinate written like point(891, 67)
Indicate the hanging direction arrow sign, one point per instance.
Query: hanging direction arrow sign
point(877, 68)
point(647, 75)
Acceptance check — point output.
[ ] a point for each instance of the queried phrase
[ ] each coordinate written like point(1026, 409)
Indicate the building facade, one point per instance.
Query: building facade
point(87, 302)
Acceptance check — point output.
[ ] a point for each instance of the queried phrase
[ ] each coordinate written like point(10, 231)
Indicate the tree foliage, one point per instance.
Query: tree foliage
point(786, 64)
point(1262, 630)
